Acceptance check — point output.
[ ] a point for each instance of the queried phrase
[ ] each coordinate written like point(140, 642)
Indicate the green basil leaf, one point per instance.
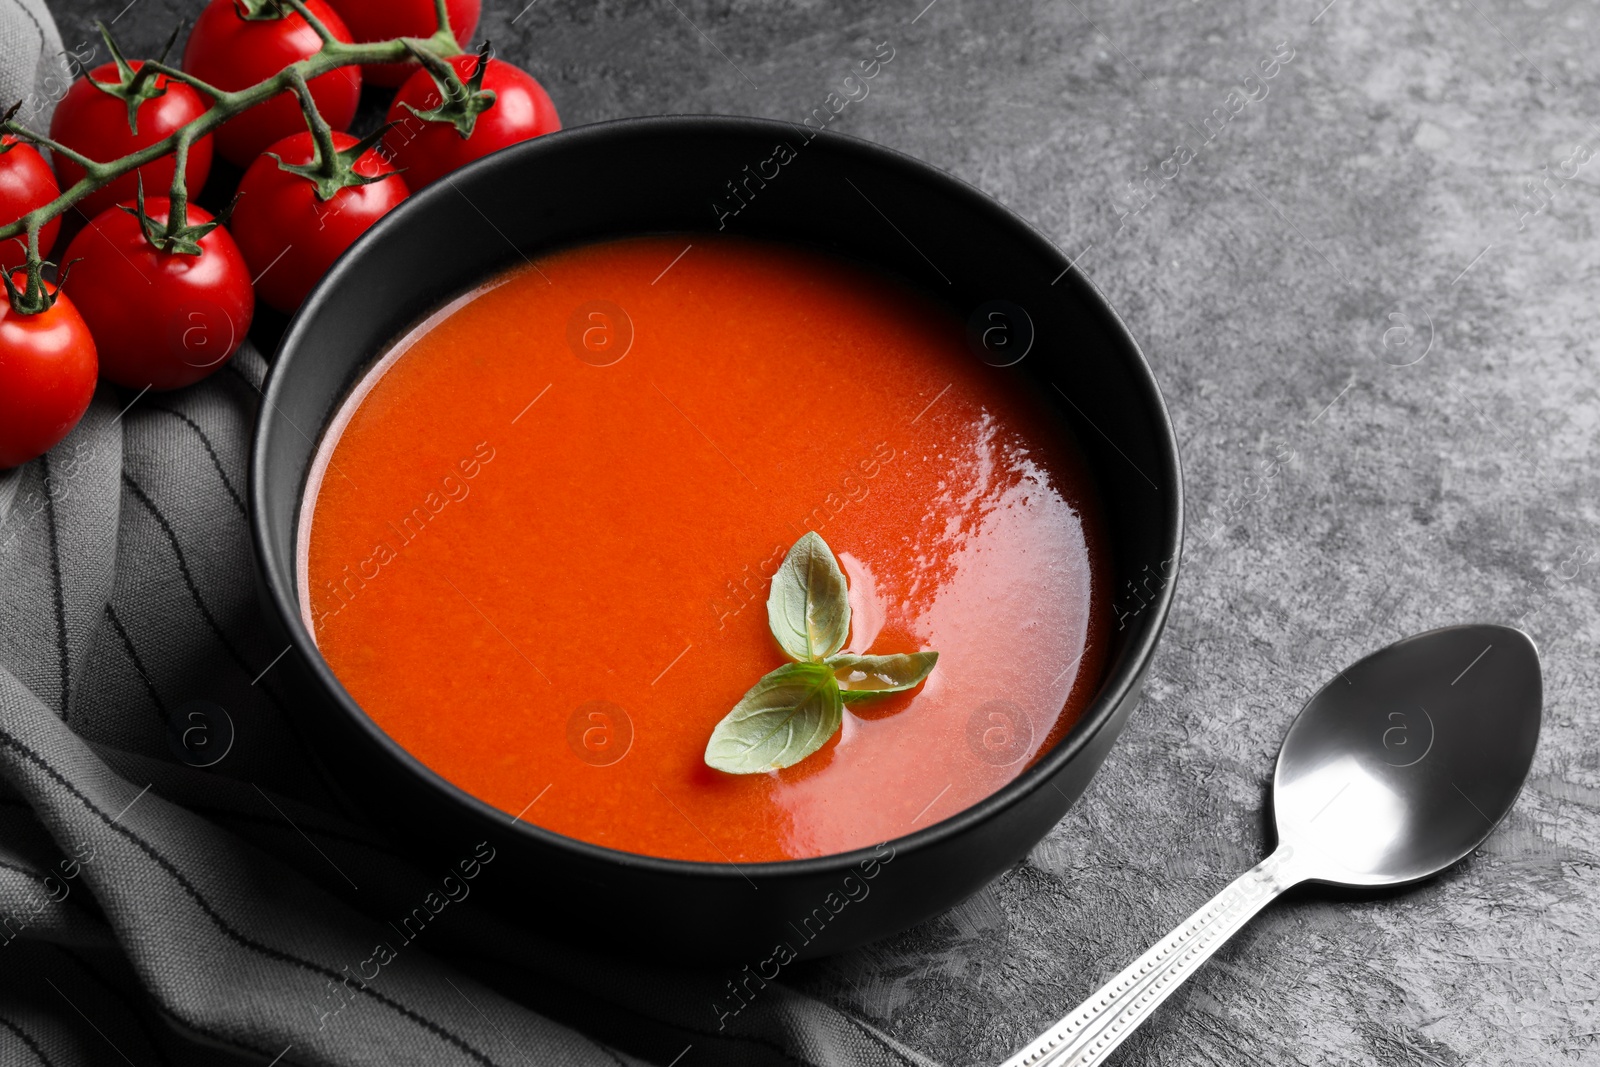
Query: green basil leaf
point(809, 606)
point(785, 717)
point(861, 677)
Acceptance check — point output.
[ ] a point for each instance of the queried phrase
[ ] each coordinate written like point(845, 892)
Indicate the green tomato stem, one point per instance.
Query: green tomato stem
point(321, 132)
point(442, 17)
point(316, 24)
point(178, 194)
point(163, 67)
point(333, 55)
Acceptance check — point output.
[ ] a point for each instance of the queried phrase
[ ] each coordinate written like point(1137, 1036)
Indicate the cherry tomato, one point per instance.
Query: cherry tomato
point(26, 183)
point(288, 235)
point(95, 123)
point(232, 52)
point(47, 372)
point(162, 319)
point(380, 20)
point(426, 151)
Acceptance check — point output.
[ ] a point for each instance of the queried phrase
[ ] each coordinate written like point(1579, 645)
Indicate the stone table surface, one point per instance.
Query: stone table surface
point(1366, 286)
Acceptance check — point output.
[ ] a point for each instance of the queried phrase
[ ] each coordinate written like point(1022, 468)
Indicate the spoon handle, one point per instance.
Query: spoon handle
point(1090, 1033)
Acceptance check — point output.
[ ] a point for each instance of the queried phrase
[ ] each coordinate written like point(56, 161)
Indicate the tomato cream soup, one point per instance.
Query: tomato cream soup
point(538, 540)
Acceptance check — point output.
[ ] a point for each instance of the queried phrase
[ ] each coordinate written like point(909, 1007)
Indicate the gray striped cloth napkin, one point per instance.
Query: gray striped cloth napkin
point(176, 885)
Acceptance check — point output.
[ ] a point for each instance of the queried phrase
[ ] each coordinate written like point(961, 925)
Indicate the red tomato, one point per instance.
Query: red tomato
point(290, 237)
point(232, 52)
point(427, 151)
point(26, 183)
point(47, 371)
point(380, 20)
point(95, 123)
point(162, 319)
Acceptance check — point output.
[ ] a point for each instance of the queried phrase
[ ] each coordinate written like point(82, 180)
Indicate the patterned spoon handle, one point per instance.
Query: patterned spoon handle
point(1090, 1033)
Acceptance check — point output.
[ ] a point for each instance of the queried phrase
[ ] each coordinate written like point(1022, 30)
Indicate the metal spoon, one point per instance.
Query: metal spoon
point(1395, 771)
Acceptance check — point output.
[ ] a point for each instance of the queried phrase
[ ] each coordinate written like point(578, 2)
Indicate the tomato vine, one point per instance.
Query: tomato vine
point(35, 296)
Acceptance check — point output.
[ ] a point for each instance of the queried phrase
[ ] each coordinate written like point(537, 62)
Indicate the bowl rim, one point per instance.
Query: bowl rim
point(1116, 688)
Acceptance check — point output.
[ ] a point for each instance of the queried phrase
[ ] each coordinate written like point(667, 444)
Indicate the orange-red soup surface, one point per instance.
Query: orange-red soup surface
point(543, 527)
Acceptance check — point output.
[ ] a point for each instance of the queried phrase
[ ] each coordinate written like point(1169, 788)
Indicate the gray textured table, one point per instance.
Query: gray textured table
point(1366, 286)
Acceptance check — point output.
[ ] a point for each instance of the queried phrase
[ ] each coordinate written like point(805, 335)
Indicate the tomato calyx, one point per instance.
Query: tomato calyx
point(33, 296)
point(9, 140)
point(262, 10)
point(333, 169)
point(176, 236)
point(461, 101)
point(133, 85)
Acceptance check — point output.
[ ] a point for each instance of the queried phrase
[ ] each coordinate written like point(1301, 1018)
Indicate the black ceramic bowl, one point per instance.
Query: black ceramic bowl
point(847, 196)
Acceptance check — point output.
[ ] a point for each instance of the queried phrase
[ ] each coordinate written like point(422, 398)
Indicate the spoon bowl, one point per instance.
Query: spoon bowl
point(1393, 772)
point(1403, 763)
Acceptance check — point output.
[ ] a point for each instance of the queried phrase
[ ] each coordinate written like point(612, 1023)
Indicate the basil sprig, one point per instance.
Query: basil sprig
point(791, 712)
